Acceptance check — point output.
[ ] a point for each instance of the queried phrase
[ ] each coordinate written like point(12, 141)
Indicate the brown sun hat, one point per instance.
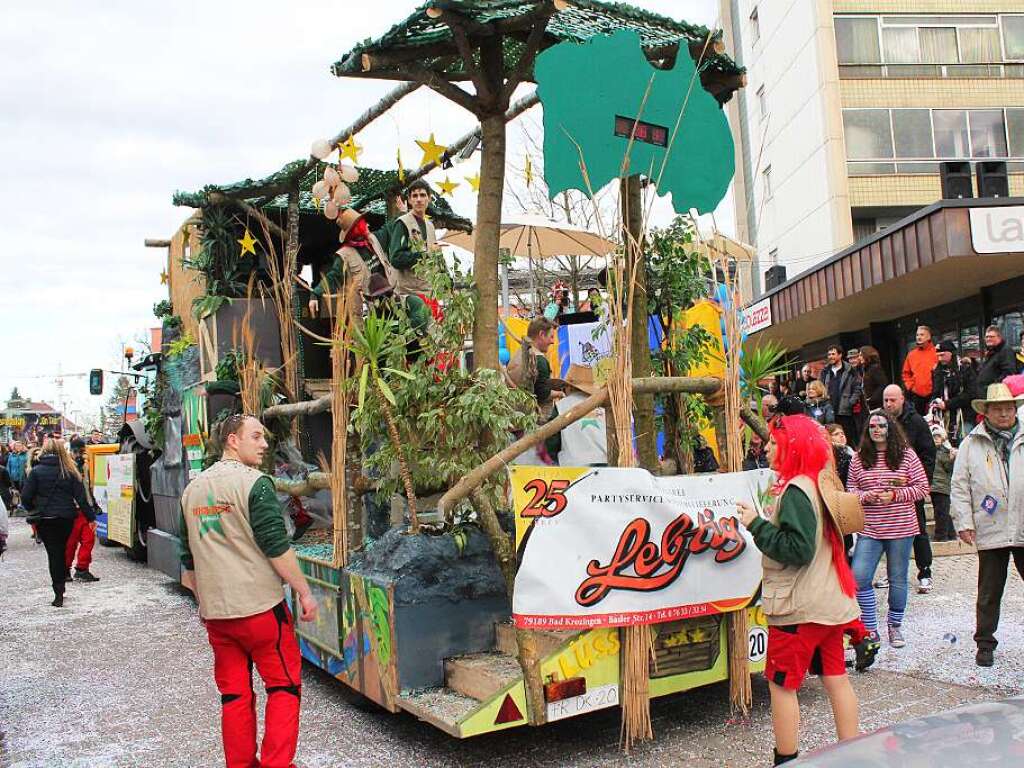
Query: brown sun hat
point(581, 377)
point(845, 508)
point(346, 220)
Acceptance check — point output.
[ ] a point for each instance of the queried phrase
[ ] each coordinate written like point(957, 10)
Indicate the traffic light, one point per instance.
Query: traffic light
point(96, 381)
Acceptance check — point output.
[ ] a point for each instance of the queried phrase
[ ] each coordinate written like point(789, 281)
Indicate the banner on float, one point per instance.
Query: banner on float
point(613, 547)
point(120, 497)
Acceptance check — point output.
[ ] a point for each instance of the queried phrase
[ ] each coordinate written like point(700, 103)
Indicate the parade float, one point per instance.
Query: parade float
point(472, 593)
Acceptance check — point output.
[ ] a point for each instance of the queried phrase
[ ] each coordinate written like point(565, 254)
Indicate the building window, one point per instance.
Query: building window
point(1013, 38)
point(755, 27)
point(767, 175)
point(917, 138)
point(1015, 131)
point(929, 46)
point(762, 101)
point(857, 40)
point(951, 136)
point(988, 133)
point(868, 133)
point(912, 132)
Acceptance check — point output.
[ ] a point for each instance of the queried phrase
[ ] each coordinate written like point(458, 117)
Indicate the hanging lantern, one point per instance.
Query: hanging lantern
point(349, 173)
point(321, 149)
point(331, 210)
point(331, 177)
point(342, 194)
point(320, 189)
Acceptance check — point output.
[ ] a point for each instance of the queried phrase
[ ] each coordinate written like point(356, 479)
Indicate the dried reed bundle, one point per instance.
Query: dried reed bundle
point(740, 693)
point(343, 314)
point(282, 276)
point(251, 373)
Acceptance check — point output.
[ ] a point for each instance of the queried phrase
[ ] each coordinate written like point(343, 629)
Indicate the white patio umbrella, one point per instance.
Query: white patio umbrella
point(534, 236)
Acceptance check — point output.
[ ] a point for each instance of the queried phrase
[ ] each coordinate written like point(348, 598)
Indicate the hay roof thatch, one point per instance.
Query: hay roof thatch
point(425, 41)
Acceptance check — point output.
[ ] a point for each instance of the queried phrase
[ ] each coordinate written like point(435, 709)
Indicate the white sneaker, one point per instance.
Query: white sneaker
point(882, 583)
point(924, 585)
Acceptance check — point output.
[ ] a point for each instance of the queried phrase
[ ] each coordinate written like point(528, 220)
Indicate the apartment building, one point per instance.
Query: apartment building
point(851, 105)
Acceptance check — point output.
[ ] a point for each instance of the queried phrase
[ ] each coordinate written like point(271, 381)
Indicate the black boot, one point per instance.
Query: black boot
point(780, 759)
point(85, 576)
point(58, 597)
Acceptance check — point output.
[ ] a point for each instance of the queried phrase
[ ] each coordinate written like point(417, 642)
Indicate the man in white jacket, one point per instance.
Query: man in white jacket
point(987, 505)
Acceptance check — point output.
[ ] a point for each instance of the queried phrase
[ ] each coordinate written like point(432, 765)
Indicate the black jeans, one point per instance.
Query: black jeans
point(55, 533)
point(944, 528)
point(922, 545)
point(921, 403)
point(992, 565)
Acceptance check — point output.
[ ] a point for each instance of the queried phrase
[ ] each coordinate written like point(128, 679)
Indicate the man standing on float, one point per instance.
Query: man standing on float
point(235, 553)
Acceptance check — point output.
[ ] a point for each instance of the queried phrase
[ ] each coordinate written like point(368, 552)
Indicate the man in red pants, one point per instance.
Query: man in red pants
point(235, 554)
point(83, 534)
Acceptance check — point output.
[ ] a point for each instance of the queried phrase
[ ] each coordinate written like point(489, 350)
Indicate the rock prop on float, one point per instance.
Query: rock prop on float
point(592, 126)
point(446, 600)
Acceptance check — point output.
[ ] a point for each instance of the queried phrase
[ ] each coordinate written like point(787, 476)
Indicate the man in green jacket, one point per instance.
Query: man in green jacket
point(235, 553)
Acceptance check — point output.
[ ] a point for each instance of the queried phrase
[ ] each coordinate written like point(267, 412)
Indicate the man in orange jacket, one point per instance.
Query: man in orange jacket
point(917, 370)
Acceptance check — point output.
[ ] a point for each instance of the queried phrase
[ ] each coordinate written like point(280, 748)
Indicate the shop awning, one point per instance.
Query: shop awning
point(940, 254)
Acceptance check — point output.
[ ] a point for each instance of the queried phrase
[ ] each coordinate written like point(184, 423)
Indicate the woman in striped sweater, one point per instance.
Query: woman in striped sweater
point(888, 477)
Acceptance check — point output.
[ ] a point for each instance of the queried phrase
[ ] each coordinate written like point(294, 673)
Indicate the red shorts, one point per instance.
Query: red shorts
point(797, 649)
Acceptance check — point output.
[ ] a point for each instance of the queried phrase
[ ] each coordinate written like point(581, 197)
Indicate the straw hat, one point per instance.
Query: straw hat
point(997, 393)
point(845, 508)
point(346, 220)
point(581, 377)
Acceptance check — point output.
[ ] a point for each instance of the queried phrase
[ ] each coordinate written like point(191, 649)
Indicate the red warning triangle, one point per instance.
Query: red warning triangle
point(509, 712)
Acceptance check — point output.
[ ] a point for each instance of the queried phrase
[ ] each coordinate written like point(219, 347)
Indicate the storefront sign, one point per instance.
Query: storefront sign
point(998, 230)
point(757, 317)
point(620, 547)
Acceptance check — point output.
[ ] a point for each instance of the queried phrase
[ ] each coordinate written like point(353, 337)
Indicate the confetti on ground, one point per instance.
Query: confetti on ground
point(121, 678)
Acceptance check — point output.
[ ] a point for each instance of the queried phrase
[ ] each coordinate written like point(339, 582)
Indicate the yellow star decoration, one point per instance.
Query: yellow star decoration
point(401, 170)
point(164, 277)
point(349, 149)
point(248, 243)
point(448, 186)
point(432, 151)
point(529, 171)
point(474, 182)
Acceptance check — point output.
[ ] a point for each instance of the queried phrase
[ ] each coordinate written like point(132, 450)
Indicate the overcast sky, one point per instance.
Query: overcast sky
point(108, 107)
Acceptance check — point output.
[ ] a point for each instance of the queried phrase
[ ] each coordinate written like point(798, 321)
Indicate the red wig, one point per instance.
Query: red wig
point(802, 448)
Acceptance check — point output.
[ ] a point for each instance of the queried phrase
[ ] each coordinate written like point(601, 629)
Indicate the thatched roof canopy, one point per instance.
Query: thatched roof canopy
point(428, 42)
point(369, 194)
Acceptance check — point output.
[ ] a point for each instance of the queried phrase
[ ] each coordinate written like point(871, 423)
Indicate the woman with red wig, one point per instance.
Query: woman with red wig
point(808, 589)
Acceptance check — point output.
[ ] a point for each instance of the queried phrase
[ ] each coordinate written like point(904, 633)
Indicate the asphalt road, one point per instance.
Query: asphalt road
point(122, 677)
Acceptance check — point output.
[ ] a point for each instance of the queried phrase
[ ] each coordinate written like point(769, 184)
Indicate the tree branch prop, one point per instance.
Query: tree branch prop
point(293, 410)
point(755, 422)
point(314, 481)
point(705, 385)
point(219, 198)
point(437, 83)
point(525, 65)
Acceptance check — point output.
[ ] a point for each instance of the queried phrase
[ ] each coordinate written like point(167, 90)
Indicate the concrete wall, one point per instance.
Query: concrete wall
point(807, 217)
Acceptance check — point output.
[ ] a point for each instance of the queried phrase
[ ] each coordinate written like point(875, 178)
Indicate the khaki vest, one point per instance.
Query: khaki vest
point(405, 281)
point(810, 593)
point(234, 578)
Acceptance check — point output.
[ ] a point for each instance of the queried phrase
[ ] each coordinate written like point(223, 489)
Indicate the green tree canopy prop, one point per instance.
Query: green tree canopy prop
point(593, 90)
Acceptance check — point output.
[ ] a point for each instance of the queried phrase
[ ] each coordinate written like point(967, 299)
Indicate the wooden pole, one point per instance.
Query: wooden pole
point(488, 236)
point(219, 198)
point(705, 385)
point(643, 405)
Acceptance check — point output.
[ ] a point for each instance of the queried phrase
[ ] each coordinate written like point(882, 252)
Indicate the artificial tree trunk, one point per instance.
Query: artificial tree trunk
point(643, 405)
point(488, 235)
